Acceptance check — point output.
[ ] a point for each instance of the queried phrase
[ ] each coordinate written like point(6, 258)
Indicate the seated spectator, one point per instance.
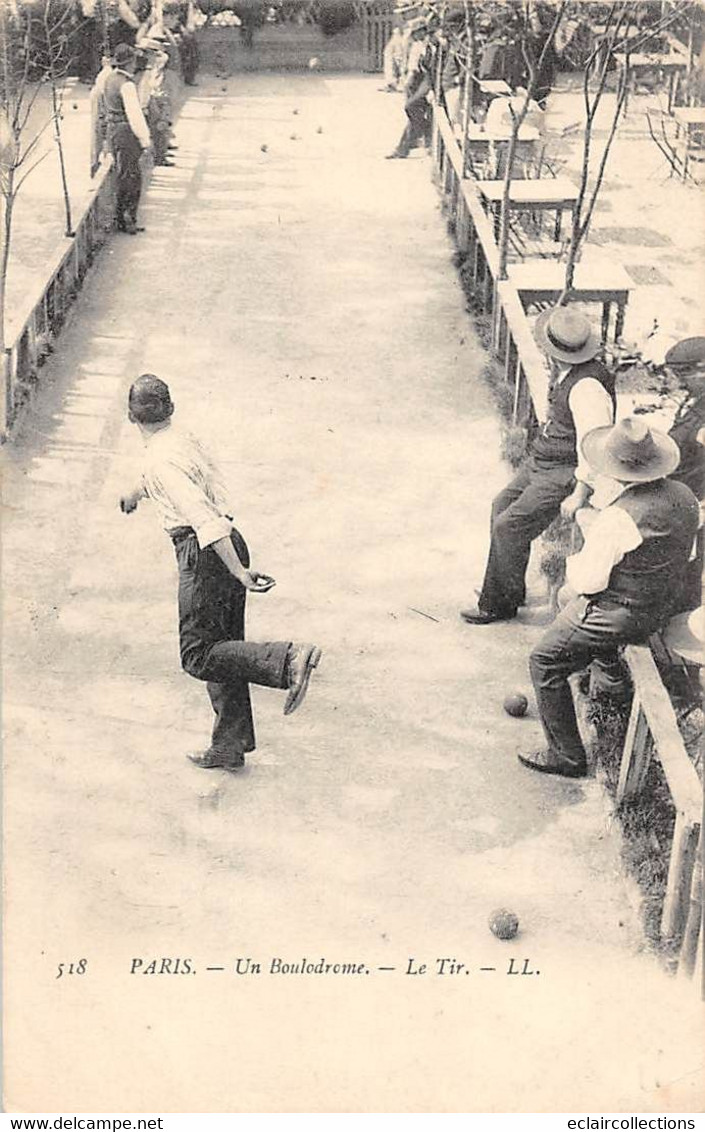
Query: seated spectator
point(99, 117)
point(624, 579)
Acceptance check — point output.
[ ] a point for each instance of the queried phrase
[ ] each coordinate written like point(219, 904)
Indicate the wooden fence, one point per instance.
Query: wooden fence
point(653, 726)
point(33, 333)
point(377, 24)
point(525, 369)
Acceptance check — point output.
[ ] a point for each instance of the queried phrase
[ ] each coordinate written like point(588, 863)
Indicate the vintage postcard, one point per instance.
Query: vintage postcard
point(379, 327)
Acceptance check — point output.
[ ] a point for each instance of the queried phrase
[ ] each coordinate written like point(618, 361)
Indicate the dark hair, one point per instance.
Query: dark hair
point(150, 400)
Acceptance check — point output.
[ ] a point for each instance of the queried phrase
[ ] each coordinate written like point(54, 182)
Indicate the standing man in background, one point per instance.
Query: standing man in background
point(128, 135)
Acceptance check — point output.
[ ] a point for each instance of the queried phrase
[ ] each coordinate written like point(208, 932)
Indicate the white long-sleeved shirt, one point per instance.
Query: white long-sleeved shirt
point(185, 485)
point(609, 535)
point(591, 407)
point(135, 115)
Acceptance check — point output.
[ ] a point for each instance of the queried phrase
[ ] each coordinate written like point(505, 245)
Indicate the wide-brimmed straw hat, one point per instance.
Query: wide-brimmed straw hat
point(566, 335)
point(631, 452)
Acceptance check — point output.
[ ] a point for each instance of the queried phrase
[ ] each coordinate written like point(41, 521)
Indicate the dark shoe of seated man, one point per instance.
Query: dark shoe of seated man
point(476, 616)
point(550, 762)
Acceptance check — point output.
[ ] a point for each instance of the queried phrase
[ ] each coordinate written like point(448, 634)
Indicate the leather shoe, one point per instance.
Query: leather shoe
point(214, 760)
point(395, 156)
point(475, 616)
point(549, 762)
point(302, 660)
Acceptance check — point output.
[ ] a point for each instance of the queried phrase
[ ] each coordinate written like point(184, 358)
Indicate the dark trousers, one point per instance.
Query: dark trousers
point(126, 151)
point(586, 630)
point(417, 128)
point(213, 649)
point(519, 514)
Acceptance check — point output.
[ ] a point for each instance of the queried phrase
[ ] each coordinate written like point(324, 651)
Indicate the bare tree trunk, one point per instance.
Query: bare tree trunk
point(467, 88)
point(8, 205)
point(56, 115)
point(517, 121)
point(53, 50)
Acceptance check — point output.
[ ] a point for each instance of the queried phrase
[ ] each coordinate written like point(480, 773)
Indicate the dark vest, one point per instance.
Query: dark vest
point(556, 444)
point(691, 470)
point(667, 515)
point(112, 98)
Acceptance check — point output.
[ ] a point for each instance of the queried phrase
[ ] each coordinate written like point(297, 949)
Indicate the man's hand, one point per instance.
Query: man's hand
point(574, 502)
point(128, 503)
point(566, 594)
point(256, 582)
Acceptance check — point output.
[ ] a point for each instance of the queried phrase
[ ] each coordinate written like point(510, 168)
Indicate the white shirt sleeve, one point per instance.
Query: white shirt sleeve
point(611, 535)
point(170, 484)
point(591, 406)
point(133, 110)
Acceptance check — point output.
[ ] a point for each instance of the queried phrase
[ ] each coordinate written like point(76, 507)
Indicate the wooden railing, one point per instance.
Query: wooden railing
point(33, 332)
point(653, 726)
point(653, 729)
point(525, 370)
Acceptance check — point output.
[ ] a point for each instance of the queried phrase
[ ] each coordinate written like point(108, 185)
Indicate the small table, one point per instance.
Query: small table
point(541, 194)
point(484, 143)
point(542, 281)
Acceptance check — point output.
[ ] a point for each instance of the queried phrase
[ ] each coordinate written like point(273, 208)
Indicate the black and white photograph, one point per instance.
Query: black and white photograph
point(352, 424)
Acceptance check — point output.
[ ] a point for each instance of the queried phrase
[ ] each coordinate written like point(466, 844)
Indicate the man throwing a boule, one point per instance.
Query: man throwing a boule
point(186, 489)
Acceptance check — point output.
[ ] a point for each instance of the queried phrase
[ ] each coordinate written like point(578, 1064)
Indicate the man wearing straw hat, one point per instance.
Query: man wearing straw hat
point(553, 479)
point(626, 578)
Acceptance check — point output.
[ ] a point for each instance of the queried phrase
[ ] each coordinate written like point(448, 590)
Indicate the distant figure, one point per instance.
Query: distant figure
point(394, 60)
point(418, 84)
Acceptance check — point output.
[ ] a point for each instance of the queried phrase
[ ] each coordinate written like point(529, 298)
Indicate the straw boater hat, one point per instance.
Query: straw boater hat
point(631, 452)
point(566, 335)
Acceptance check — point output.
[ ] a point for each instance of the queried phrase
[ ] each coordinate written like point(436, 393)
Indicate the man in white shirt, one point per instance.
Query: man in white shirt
point(191, 502)
point(626, 578)
point(418, 84)
point(554, 478)
point(127, 133)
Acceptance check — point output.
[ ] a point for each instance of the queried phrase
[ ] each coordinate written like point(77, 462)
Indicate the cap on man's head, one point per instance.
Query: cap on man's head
point(123, 55)
point(150, 400)
point(687, 355)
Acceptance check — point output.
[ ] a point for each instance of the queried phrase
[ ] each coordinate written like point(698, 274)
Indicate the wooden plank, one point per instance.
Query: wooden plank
point(532, 360)
point(692, 936)
point(680, 878)
point(680, 773)
point(636, 756)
